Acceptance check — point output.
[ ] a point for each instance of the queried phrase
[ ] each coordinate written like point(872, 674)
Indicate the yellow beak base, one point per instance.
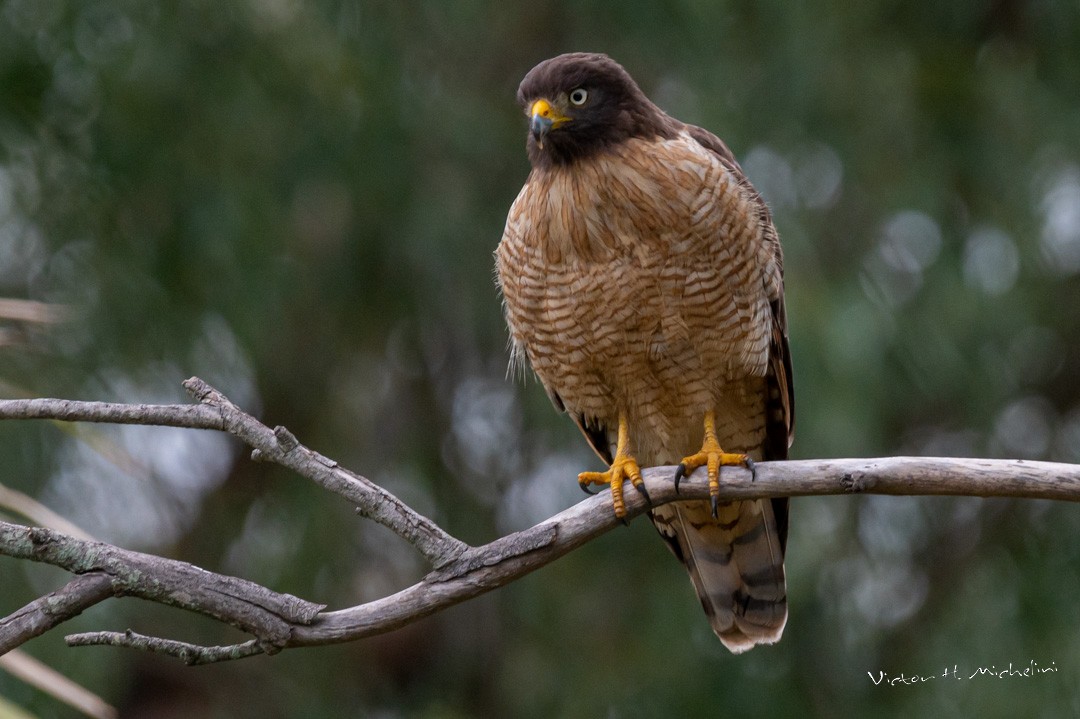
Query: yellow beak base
point(543, 118)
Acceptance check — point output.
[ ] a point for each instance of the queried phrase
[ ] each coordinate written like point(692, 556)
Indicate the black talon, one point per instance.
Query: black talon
point(715, 502)
point(680, 472)
point(644, 492)
point(624, 522)
point(752, 466)
point(585, 488)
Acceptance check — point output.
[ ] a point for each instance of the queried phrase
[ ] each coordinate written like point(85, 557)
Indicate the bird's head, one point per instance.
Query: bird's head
point(581, 103)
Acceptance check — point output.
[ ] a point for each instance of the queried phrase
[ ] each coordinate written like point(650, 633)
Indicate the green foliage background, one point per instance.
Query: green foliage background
point(298, 202)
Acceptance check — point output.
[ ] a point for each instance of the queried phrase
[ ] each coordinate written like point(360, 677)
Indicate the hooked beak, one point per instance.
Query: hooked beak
point(543, 118)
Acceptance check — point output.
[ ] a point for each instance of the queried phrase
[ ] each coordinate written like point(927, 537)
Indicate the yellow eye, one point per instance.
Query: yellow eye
point(578, 96)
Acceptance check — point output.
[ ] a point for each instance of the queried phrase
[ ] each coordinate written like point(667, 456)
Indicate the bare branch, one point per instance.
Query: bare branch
point(484, 568)
point(215, 411)
point(192, 416)
point(373, 501)
point(41, 615)
point(912, 476)
point(185, 652)
point(245, 605)
point(278, 621)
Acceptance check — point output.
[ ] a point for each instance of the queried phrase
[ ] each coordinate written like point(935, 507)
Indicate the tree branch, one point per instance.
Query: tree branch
point(278, 445)
point(41, 615)
point(459, 572)
point(185, 652)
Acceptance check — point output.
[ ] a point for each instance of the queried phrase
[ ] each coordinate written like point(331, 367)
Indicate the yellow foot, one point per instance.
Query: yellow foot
point(622, 468)
point(714, 458)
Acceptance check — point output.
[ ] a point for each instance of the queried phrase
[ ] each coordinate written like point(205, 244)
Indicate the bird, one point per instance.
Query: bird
point(642, 281)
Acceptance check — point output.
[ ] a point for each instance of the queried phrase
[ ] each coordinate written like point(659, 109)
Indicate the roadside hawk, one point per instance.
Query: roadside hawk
point(643, 283)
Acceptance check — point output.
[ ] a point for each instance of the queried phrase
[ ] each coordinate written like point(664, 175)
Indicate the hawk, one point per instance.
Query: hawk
point(643, 282)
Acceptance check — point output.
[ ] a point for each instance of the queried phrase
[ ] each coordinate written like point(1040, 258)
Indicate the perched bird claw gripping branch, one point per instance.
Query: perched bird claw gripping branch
point(643, 282)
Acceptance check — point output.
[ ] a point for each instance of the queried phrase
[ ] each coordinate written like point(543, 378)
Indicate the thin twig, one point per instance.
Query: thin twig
point(185, 652)
point(373, 502)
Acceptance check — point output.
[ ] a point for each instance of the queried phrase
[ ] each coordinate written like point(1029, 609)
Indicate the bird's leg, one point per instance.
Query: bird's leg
point(623, 467)
point(714, 457)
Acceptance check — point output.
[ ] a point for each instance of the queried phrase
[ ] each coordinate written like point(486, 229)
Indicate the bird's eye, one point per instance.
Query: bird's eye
point(578, 96)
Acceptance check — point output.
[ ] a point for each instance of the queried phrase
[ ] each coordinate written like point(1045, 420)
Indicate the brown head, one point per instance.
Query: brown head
point(580, 104)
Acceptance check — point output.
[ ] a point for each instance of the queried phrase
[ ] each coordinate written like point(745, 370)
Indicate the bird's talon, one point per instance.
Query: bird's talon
point(713, 457)
point(640, 487)
point(715, 502)
point(752, 466)
point(680, 472)
point(585, 488)
point(623, 467)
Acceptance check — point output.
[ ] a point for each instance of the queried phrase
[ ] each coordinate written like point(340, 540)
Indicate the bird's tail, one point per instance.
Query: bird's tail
point(736, 563)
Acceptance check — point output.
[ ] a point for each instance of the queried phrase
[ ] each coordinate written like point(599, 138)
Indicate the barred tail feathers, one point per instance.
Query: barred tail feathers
point(736, 564)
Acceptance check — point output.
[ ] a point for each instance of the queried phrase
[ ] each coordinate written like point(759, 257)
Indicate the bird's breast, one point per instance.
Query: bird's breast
point(628, 284)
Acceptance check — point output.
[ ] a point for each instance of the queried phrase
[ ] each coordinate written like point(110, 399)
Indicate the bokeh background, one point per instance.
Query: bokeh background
point(298, 202)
